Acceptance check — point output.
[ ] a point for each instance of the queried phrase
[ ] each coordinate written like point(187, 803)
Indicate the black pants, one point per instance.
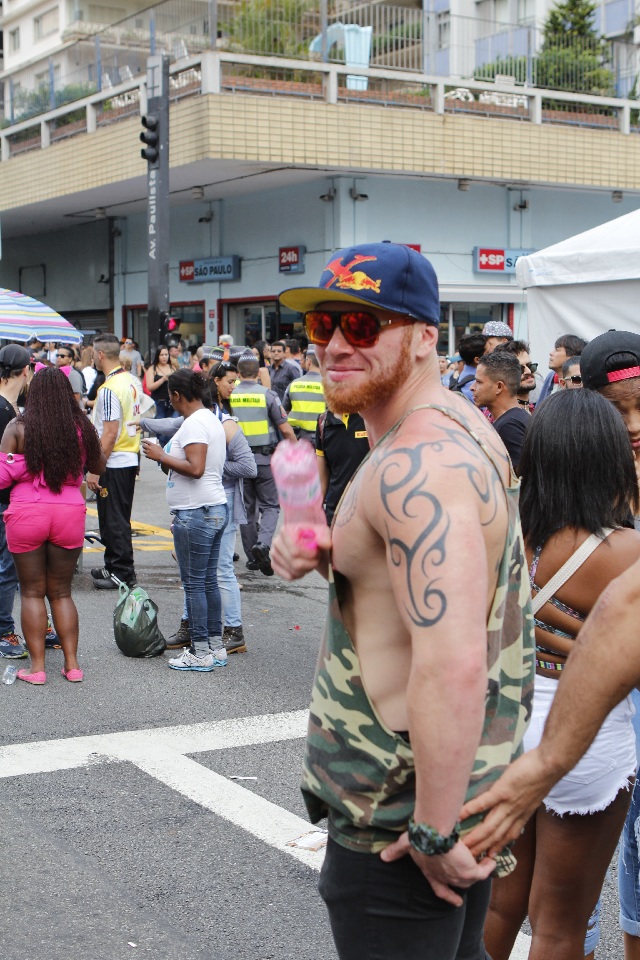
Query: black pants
point(114, 516)
point(388, 911)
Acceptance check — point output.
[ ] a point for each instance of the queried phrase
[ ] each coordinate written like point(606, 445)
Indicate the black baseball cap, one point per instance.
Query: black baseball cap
point(609, 358)
point(14, 357)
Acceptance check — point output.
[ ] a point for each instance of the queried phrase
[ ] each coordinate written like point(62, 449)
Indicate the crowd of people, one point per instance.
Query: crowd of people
point(475, 513)
point(217, 422)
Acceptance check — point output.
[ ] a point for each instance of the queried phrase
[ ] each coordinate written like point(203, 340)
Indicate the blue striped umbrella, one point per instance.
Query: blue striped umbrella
point(23, 318)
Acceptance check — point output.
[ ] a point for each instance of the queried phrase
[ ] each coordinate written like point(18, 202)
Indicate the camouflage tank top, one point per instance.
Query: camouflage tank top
point(358, 772)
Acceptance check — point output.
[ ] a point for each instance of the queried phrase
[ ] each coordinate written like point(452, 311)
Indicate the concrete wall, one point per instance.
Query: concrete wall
point(446, 222)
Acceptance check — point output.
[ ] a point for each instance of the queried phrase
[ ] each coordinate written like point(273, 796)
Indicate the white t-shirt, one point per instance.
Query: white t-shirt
point(186, 493)
point(109, 408)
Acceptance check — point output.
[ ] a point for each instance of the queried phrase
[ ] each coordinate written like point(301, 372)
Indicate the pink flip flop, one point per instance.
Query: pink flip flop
point(37, 679)
point(73, 676)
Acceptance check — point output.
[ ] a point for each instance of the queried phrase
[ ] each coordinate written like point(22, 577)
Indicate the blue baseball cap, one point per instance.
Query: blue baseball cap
point(389, 276)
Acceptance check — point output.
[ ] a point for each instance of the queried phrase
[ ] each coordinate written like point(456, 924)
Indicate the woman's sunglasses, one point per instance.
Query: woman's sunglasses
point(531, 367)
point(360, 328)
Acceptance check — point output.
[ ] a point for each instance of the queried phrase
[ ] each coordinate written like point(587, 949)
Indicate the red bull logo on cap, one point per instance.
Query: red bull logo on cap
point(346, 278)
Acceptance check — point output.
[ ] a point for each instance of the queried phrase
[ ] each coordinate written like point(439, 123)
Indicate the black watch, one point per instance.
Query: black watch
point(427, 840)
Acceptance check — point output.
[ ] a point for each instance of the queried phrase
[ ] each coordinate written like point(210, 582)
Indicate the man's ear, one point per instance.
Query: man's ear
point(428, 338)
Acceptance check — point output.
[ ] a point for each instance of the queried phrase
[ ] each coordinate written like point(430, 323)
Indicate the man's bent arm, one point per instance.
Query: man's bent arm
point(440, 586)
point(436, 556)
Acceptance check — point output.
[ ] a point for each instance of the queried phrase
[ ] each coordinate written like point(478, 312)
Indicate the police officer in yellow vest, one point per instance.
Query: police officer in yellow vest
point(117, 402)
point(263, 422)
point(304, 399)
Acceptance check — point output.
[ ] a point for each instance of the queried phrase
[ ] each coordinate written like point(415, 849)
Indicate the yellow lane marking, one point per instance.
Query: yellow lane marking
point(147, 530)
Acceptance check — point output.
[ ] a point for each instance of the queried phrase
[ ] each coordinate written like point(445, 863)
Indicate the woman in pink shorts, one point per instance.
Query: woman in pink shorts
point(43, 456)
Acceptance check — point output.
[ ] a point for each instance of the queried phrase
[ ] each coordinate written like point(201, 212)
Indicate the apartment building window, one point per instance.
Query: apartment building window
point(444, 30)
point(14, 39)
point(526, 11)
point(501, 11)
point(45, 24)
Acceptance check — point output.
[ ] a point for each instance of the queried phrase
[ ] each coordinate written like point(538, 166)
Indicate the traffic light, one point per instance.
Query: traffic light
point(151, 137)
point(170, 328)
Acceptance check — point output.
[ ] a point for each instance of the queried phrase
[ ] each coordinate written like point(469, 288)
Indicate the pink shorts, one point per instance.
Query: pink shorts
point(29, 525)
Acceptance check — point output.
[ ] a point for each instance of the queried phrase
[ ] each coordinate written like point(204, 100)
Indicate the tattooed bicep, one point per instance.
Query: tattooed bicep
point(417, 526)
point(420, 494)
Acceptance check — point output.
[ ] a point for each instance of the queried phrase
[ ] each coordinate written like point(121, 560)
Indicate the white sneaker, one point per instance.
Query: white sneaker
point(220, 658)
point(188, 661)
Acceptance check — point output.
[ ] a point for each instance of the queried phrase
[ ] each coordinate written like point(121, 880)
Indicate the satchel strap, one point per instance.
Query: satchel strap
point(568, 569)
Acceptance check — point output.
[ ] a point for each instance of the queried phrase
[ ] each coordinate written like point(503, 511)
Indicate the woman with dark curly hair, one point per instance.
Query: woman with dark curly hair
point(579, 490)
point(194, 460)
point(44, 453)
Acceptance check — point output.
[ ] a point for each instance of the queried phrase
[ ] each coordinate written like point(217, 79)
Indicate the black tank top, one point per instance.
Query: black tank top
point(162, 393)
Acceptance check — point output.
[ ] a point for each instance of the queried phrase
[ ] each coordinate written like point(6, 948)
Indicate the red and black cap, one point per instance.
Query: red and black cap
point(389, 276)
point(609, 358)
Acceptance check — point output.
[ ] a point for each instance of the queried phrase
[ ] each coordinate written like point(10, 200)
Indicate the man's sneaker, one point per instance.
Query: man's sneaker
point(51, 638)
point(12, 647)
point(102, 579)
point(181, 638)
point(252, 565)
point(219, 656)
point(189, 661)
point(261, 554)
point(233, 639)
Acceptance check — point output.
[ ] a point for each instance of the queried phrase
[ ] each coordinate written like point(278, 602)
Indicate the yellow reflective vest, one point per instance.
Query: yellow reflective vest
point(307, 401)
point(249, 404)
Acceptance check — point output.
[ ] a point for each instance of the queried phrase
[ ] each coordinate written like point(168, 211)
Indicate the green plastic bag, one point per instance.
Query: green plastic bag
point(135, 623)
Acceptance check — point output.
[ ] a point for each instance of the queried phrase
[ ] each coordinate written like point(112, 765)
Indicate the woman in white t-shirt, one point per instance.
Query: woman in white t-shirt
point(194, 460)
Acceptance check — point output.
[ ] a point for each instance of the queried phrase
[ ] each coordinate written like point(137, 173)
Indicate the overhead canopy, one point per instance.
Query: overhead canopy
point(585, 285)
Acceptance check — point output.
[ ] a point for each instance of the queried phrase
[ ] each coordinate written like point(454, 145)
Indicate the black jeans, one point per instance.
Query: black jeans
point(388, 911)
point(114, 516)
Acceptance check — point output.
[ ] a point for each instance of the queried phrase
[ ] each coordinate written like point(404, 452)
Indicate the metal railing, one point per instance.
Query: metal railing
point(217, 72)
point(95, 58)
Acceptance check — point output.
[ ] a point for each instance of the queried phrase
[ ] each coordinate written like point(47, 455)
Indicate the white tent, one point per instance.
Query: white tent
point(585, 285)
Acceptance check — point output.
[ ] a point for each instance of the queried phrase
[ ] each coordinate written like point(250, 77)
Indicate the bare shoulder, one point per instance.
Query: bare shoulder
point(456, 443)
point(619, 551)
point(13, 437)
point(615, 555)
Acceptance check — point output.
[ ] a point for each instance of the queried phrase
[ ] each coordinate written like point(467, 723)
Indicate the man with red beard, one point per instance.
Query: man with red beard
point(424, 679)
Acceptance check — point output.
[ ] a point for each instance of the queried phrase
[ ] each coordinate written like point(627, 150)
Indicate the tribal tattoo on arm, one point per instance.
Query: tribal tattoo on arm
point(417, 518)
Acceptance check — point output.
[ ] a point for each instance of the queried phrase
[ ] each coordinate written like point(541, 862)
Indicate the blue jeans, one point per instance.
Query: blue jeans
point(197, 534)
point(229, 589)
point(629, 858)
point(8, 580)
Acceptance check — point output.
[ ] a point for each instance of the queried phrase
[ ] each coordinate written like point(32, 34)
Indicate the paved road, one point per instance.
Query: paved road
point(125, 832)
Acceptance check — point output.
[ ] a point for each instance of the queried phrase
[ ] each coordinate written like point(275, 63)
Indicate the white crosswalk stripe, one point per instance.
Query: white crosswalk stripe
point(161, 753)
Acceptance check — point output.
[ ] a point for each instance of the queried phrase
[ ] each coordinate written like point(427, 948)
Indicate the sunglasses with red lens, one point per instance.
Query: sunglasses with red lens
point(360, 328)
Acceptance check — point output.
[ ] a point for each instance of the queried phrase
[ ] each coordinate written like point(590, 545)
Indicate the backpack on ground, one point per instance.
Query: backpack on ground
point(135, 623)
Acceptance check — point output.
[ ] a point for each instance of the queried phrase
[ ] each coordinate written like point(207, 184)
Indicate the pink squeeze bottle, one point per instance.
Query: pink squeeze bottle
point(295, 471)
